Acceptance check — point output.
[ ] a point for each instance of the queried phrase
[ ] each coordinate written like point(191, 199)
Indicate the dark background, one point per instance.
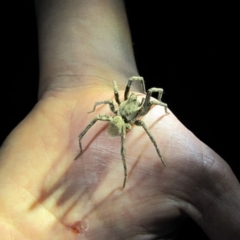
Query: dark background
point(188, 50)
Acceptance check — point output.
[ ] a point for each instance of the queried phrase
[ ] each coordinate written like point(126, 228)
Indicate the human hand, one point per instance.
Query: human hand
point(47, 186)
point(47, 195)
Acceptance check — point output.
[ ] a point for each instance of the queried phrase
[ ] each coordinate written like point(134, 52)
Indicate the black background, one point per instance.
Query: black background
point(188, 50)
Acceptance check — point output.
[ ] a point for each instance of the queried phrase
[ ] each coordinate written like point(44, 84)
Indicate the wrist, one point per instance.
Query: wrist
point(85, 38)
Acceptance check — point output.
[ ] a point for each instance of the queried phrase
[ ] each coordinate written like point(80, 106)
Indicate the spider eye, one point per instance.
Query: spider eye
point(133, 97)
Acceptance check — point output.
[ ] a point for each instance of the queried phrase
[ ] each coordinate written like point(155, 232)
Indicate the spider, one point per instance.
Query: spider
point(126, 115)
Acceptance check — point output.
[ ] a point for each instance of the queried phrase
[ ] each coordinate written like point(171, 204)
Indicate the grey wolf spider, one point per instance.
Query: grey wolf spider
point(126, 114)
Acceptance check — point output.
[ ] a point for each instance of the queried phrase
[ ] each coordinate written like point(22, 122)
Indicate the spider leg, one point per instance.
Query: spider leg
point(99, 117)
point(123, 153)
point(116, 94)
point(130, 81)
point(109, 102)
point(142, 124)
point(147, 104)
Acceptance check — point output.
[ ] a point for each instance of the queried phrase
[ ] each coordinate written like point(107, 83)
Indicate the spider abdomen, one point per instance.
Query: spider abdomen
point(115, 126)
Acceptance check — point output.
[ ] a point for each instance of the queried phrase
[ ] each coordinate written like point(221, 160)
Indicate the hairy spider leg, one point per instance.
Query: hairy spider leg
point(142, 124)
point(116, 94)
point(109, 102)
point(130, 81)
point(147, 103)
point(123, 153)
point(99, 117)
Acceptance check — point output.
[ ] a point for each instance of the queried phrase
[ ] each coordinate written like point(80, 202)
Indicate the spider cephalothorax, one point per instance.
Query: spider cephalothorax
point(126, 114)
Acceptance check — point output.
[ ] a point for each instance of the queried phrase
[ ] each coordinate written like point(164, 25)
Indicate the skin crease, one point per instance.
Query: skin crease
point(84, 46)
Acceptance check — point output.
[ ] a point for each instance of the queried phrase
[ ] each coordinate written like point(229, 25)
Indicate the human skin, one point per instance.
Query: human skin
point(84, 45)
